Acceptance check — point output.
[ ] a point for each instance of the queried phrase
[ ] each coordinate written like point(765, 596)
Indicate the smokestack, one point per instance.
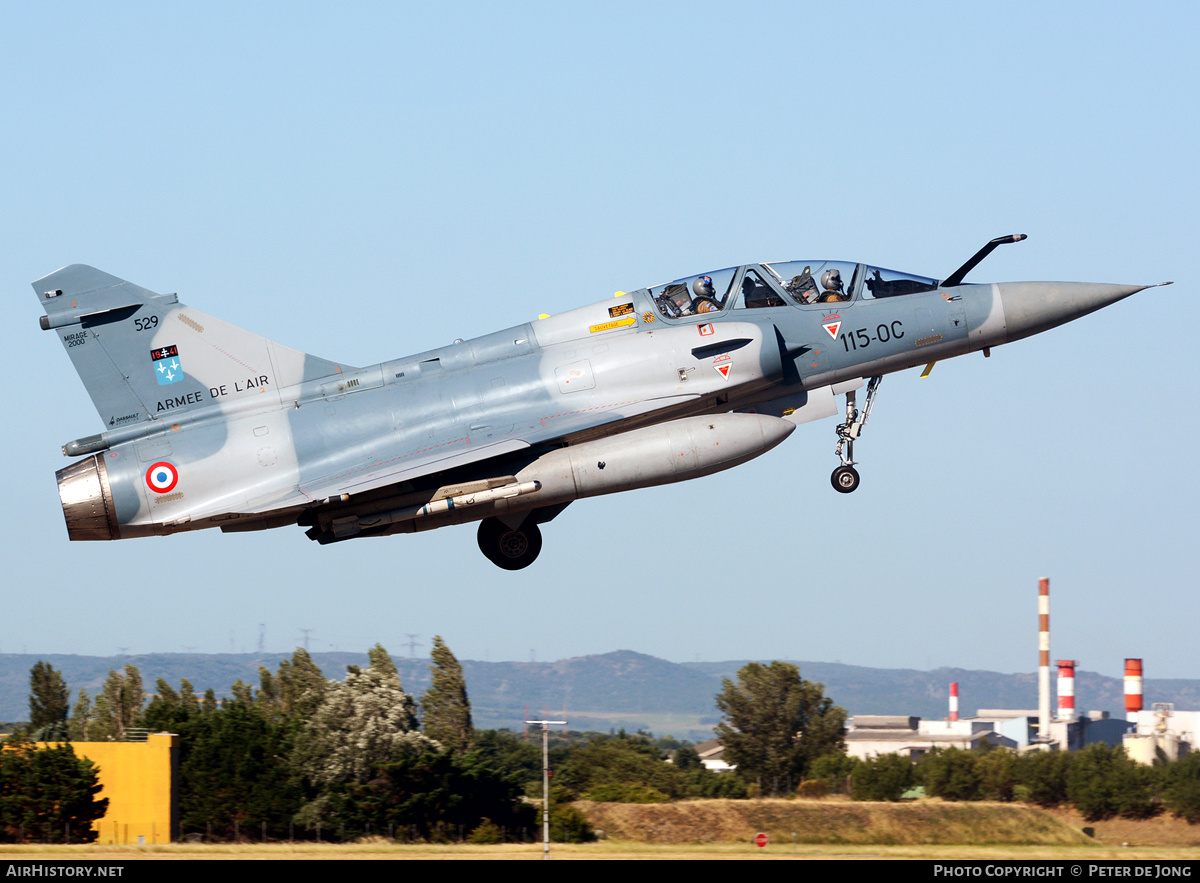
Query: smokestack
point(954, 702)
point(1043, 659)
point(1133, 688)
point(1066, 689)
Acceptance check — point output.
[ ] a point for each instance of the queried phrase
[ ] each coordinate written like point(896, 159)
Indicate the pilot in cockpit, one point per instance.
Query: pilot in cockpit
point(706, 296)
point(831, 288)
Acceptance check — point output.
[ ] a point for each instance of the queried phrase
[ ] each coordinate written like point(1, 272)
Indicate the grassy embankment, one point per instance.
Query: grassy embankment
point(831, 822)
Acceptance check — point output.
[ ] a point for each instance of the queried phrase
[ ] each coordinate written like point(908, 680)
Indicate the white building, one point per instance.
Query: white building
point(870, 735)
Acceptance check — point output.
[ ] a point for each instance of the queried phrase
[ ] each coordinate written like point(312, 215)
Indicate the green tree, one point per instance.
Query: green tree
point(997, 769)
point(80, 723)
point(49, 703)
point(301, 686)
point(118, 707)
point(165, 708)
point(360, 724)
point(776, 724)
point(47, 795)
point(234, 771)
point(885, 777)
point(1181, 787)
point(434, 794)
point(568, 824)
point(235, 758)
point(1041, 777)
point(169, 710)
point(445, 705)
point(504, 753)
point(242, 692)
point(269, 698)
point(834, 769)
point(631, 762)
point(951, 774)
point(1104, 782)
point(628, 769)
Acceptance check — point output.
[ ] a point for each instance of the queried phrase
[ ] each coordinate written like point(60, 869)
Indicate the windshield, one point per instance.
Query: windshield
point(889, 283)
point(694, 295)
point(805, 282)
point(817, 282)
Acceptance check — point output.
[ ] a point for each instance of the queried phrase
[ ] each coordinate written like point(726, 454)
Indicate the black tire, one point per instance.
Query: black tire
point(844, 479)
point(507, 548)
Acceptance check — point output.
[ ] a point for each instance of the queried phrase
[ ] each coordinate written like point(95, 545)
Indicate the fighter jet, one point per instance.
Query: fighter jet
point(208, 425)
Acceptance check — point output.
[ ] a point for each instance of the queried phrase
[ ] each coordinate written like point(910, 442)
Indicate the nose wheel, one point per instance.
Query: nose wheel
point(845, 478)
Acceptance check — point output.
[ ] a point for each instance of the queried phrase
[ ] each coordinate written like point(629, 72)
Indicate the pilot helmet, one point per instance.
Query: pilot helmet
point(703, 287)
point(831, 280)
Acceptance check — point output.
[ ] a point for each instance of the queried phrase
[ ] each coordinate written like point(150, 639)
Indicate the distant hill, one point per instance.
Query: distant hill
point(606, 692)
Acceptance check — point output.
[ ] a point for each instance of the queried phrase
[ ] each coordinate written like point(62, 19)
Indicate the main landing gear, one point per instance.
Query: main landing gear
point(845, 477)
point(507, 547)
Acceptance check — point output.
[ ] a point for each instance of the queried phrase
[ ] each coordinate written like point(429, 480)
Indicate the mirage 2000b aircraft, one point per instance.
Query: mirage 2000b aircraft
point(212, 426)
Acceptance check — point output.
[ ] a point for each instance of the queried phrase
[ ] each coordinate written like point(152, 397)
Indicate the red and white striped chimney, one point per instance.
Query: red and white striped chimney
point(954, 702)
point(1043, 659)
point(1066, 689)
point(1133, 688)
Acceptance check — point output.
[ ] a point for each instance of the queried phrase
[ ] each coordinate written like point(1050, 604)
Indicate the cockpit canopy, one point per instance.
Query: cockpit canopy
point(790, 283)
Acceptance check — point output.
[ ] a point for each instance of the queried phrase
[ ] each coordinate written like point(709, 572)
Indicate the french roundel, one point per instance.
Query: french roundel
point(162, 477)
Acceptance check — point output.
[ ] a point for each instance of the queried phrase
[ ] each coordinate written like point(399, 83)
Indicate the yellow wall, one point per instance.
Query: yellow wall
point(138, 780)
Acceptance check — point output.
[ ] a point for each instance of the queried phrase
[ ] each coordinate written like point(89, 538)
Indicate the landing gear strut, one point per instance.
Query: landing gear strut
point(845, 477)
point(509, 548)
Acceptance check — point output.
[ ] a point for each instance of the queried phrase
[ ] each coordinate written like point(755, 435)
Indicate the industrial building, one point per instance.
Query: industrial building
point(1158, 733)
point(870, 735)
point(139, 780)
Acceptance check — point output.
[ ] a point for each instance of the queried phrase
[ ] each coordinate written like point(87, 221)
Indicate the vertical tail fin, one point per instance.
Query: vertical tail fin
point(144, 356)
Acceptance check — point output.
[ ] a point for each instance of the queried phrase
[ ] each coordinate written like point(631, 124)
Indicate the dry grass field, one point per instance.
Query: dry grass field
point(605, 851)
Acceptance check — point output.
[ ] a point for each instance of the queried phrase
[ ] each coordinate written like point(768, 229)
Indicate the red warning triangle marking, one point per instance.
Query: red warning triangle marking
point(832, 328)
point(723, 370)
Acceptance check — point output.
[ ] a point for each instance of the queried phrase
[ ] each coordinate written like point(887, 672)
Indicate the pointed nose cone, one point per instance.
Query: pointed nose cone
point(1033, 307)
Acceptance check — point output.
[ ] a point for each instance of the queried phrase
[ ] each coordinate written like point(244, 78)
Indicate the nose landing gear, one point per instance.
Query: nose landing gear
point(845, 478)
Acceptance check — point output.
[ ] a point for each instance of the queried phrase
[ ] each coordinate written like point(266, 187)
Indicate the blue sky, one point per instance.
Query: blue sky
point(364, 181)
